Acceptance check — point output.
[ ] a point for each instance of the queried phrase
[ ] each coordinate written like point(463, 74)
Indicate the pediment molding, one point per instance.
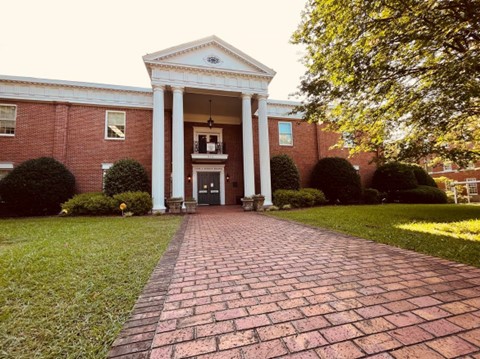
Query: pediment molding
point(164, 59)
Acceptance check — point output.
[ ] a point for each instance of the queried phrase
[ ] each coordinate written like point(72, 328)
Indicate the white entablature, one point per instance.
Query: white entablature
point(210, 64)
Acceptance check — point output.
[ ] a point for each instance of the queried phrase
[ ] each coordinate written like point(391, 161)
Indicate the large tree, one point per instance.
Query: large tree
point(401, 76)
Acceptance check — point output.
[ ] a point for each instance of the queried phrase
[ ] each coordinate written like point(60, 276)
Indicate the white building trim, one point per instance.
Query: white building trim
point(208, 168)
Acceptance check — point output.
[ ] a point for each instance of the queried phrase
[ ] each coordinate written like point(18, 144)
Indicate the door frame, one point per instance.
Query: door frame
point(209, 168)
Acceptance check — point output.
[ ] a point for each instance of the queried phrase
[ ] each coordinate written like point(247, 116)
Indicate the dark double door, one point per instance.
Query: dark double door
point(208, 187)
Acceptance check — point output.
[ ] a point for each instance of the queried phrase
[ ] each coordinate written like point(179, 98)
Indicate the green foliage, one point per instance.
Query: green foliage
point(422, 176)
point(69, 284)
point(372, 196)
point(90, 204)
point(37, 187)
point(284, 173)
point(318, 196)
point(126, 175)
point(384, 224)
point(394, 176)
point(421, 194)
point(307, 197)
point(401, 76)
point(337, 179)
point(139, 203)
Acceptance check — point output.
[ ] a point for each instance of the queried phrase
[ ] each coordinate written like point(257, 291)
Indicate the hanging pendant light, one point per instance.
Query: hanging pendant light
point(210, 121)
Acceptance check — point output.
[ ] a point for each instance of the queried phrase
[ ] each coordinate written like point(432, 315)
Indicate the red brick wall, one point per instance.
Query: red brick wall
point(74, 134)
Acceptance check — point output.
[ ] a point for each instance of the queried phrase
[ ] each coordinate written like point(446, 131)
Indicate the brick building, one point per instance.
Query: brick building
point(205, 129)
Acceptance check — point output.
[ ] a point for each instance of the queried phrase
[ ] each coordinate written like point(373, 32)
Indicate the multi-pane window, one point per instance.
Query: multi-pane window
point(348, 139)
point(472, 187)
point(105, 168)
point(115, 125)
point(285, 133)
point(447, 167)
point(8, 115)
point(5, 168)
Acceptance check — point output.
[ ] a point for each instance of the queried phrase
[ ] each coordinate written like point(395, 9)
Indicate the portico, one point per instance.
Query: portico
point(184, 79)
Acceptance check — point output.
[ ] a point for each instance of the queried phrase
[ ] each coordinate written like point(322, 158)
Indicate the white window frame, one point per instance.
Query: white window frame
point(15, 119)
point(447, 167)
point(6, 166)
point(279, 134)
point(348, 140)
point(105, 168)
point(472, 187)
point(106, 126)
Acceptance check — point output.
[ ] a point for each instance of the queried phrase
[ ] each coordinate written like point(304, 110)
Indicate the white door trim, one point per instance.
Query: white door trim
point(209, 168)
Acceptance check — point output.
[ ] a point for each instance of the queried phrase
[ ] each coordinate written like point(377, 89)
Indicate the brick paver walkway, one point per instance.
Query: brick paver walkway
point(249, 286)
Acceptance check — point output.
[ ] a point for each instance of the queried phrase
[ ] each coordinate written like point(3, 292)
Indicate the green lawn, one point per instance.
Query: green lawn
point(448, 231)
point(68, 284)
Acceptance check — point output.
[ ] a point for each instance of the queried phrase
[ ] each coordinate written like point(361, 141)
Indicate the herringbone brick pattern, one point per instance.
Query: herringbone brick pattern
point(249, 286)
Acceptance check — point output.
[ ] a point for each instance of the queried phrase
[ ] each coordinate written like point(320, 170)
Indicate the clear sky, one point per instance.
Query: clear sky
point(104, 40)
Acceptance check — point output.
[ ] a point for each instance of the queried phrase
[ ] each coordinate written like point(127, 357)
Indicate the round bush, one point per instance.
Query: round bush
point(371, 196)
point(394, 176)
point(318, 196)
point(337, 179)
point(422, 176)
point(421, 194)
point(90, 204)
point(126, 175)
point(37, 187)
point(139, 203)
point(294, 198)
point(284, 173)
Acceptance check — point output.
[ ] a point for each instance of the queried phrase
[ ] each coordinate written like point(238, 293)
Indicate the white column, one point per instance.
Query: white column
point(158, 150)
point(264, 150)
point(247, 131)
point(178, 166)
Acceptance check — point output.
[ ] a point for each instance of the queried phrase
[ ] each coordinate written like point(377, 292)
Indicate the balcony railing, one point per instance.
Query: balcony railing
point(216, 148)
point(209, 152)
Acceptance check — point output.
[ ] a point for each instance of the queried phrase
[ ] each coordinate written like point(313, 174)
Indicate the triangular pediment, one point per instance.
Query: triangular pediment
point(209, 53)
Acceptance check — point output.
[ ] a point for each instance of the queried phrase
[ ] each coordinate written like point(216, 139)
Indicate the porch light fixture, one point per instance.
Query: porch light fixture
point(210, 121)
point(228, 178)
point(189, 178)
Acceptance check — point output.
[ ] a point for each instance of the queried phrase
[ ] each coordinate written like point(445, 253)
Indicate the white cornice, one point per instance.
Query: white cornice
point(29, 88)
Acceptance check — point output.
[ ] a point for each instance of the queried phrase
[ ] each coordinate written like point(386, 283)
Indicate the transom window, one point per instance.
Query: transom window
point(8, 119)
point(472, 187)
point(115, 125)
point(285, 136)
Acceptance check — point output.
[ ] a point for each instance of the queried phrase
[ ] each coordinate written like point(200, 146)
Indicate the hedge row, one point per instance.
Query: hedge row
point(95, 204)
point(306, 197)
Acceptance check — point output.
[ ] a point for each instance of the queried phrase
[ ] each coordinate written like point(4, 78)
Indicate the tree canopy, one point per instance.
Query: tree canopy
point(400, 76)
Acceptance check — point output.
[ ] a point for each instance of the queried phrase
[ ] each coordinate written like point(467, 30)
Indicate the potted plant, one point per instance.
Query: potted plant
point(258, 201)
point(247, 203)
point(175, 204)
point(191, 205)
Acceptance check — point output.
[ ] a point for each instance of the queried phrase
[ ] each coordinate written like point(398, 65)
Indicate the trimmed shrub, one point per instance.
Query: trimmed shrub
point(90, 204)
point(421, 194)
point(318, 196)
point(394, 176)
point(337, 179)
point(126, 175)
point(422, 176)
point(284, 173)
point(307, 197)
point(139, 203)
point(372, 196)
point(37, 187)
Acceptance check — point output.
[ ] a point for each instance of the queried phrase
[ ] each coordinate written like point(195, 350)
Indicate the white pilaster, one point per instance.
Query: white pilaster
point(178, 166)
point(264, 150)
point(247, 131)
point(158, 150)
